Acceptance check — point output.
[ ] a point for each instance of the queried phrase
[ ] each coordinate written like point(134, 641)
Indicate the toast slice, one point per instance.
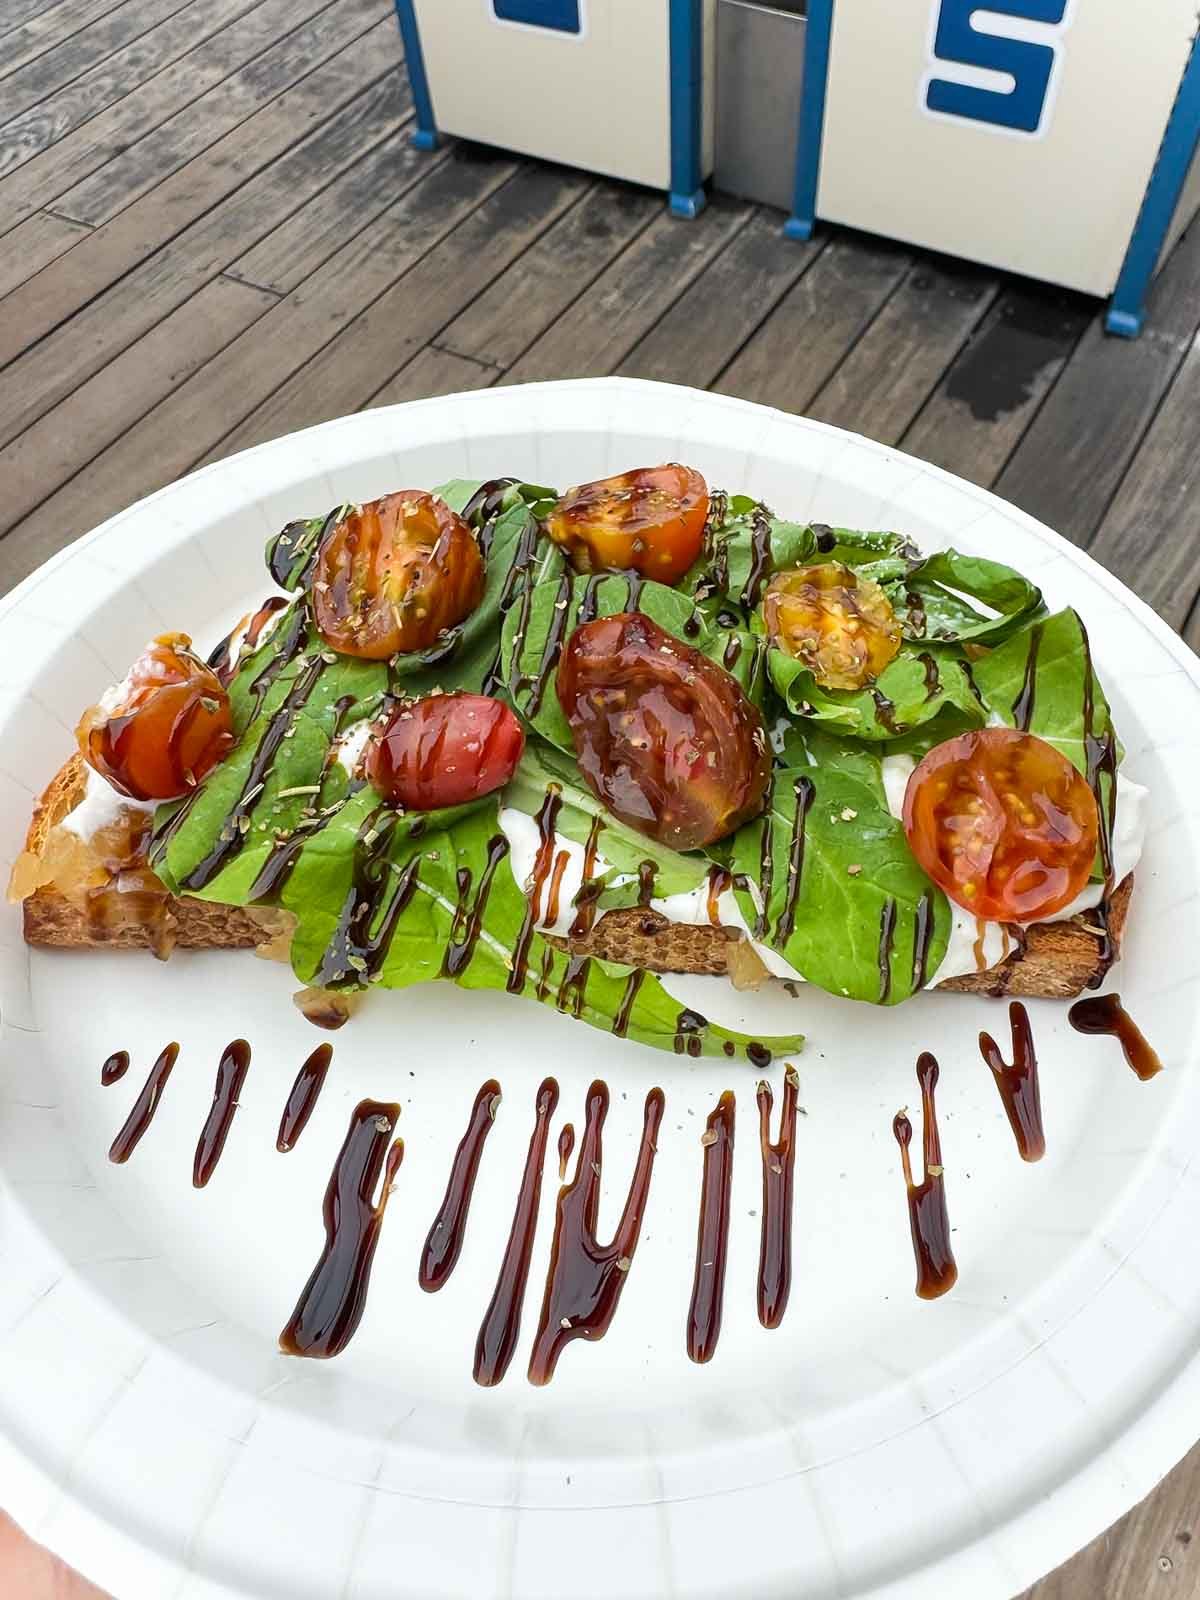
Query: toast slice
point(1056, 960)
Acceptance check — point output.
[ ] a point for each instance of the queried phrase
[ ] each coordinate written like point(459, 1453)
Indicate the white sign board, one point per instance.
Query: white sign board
point(585, 82)
point(1020, 133)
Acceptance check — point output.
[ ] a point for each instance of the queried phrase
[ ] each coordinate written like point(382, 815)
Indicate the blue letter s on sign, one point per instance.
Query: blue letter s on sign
point(1023, 54)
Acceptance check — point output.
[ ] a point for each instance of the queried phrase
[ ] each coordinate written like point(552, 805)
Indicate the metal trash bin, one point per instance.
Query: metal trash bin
point(1055, 138)
point(621, 87)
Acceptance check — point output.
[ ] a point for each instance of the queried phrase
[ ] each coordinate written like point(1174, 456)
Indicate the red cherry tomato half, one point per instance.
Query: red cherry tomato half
point(156, 734)
point(1003, 823)
point(666, 739)
point(649, 521)
point(444, 751)
point(394, 574)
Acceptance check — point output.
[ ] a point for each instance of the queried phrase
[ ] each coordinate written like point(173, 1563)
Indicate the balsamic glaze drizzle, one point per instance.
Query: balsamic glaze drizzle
point(760, 556)
point(712, 1232)
point(354, 953)
point(231, 1075)
point(310, 1080)
point(804, 791)
point(1023, 705)
point(115, 1068)
point(144, 1107)
point(232, 834)
point(332, 1302)
point(444, 1241)
point(1106, 1015)
point(778, 1175)
point(928, 1219)
point(547, 817)
point(887, 939)
point(464, 934)
point(933, 678)
point(1018, 1084)
point(585, 1278)
point(625, 1010)
point(689, 1032)
point(501, 1326)
point(766, 864)
point(923, 931)
point(566, 1143)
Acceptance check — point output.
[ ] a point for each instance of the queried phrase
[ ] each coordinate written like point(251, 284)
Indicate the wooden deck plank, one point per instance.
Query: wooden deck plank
point(60, 67)
point(45, 122)
point(345, 371)
point(892, 370)
point(64, 440)
point(432, 371)
point(143, 110)
point(214, 126)
point(1069, 464)
point(1150, 536)
point(1126, 1563)
point(196, 413)
point(801, 344)
point(44, 31)
point(595, 334)
point(332, 101)
point(43, 238)
point(305, 240)
point(706, 327)
point(16, 12)
point(501, 323)
point(976, 416)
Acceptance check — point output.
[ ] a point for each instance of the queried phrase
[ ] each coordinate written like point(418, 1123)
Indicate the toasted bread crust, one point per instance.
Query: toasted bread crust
point(1056, 962)
point(50, 919)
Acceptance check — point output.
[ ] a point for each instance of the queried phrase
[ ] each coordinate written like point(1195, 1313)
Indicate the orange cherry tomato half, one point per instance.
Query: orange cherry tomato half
point(649, 521)
point(394, 574)
point(444, 751)
point(156, 734)
point(842, 627)
point(1003, 823)
point(665, 738)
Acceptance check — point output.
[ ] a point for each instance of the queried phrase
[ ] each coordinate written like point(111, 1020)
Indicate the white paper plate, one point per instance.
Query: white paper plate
point(873, 1445)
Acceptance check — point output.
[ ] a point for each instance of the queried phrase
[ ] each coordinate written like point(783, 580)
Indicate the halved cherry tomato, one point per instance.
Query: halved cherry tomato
point(649, 521)
point(394, 574)
point(666, 739)
point(444, 751)
point(841, 626)
point(1003, 823)
point(156, 734)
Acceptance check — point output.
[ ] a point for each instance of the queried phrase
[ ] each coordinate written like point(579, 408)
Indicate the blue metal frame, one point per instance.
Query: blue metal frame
point(688, 198)
point(1127, 310)
point(812, 119)
point(425, 135)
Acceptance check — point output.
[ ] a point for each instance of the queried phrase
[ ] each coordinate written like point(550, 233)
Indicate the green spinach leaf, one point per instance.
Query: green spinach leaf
point(464, 916)
point(835, 887)
point(918, 688)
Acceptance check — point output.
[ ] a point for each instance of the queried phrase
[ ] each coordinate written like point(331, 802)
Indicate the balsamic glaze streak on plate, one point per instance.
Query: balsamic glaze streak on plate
point(144, 1106)
point(443, 1243)
point(585, 1278)
point(928, 1219)
point(331, 1305)
point(712, 1232)
point(310, 1080)
point(231, 1075)
point(566, 1143)
point(778, 1173)
point(501, 1324)
point(1106, 1015)
point(1018, 1084)
point(115, 1068)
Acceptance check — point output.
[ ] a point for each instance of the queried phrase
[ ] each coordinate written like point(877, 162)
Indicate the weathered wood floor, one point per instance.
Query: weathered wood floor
point(213, 230)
